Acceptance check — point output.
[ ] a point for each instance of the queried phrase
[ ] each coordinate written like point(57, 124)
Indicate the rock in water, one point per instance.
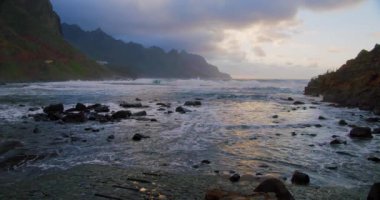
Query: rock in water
point(235, 178)
point(75, 118)
point(374, 159)
point(361, 133)
point(300, 178)
point(54, 108)
point(374, 193)
point(123, 114)
point(182, 110)
point(193, 103)
point(139, 114)
point(342, 123)
point(131, 105)
point(80, 107)
point(276, 186)
point(138, 137)
point(298, 103)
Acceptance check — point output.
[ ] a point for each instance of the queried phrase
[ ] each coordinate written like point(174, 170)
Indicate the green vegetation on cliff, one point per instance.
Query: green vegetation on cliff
point(355, 84)
point(138, 61)
point(32, 47)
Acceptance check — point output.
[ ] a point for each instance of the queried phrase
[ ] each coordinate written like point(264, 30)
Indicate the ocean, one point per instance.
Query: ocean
point(246, 126)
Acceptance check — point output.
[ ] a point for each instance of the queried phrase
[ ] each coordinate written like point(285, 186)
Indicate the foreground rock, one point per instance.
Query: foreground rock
point(355, 84)
point(361, 133)
point(374, 193)
point(131, 105)
point(276, 186)
point(300, 178)
point(75, 118)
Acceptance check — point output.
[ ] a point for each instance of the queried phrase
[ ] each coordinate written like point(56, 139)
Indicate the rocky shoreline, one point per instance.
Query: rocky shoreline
point(117, 182)
point(355, 84)
point(112, 182)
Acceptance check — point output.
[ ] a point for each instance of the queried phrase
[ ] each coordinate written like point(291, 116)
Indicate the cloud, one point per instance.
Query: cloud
point(259, 52)
point(234, 30)
point(183, 19)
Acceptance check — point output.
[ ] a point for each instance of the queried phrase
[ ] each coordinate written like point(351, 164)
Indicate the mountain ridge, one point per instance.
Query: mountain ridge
point(136, 60)
point(33, 49)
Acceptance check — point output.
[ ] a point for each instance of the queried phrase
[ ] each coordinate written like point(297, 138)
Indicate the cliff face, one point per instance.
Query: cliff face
point(32, 47)
point(138, 61)
point(355, 84)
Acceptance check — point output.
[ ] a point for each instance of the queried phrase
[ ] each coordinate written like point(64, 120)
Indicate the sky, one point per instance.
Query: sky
point(261, 39)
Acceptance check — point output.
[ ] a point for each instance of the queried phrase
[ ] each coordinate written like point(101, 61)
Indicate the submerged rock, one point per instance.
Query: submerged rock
point(361, 133)
point(374, 193)
point(373, 119)
point(300, 178)
point(376, 131)
point(276, 186)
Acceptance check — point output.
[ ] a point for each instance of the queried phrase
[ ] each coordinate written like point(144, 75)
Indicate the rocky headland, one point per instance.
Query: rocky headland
point(355, 84)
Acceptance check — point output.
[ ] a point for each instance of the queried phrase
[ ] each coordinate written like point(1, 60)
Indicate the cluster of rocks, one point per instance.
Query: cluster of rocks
point(82, 113)
point(101, 113)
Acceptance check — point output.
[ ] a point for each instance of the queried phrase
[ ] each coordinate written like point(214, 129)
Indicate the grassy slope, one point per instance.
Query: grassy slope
point(32, 48)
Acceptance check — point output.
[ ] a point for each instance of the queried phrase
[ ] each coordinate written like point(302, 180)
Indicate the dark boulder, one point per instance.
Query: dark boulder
point(182, 110)
point(54, 108)
point(139, 114)
point(99, 108)
point(123, 114)
point(235, 178)
point(374, 159)
point(300, 178)
point(55, 116)
point(321, 118)
point(275, 116)
point(290, 99)
point(75, 118)
point(276, 186)
point(376, 131)
point(139, 137)
point(374, 193)
point(298, 103)
point(193, 103)
point(361, 133)
point(80, 107)
point(342, 122)
point(131, 105)
point(207, 162)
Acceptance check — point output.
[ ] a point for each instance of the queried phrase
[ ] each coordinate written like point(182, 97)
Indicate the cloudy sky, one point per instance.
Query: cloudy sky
point(295, 39)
